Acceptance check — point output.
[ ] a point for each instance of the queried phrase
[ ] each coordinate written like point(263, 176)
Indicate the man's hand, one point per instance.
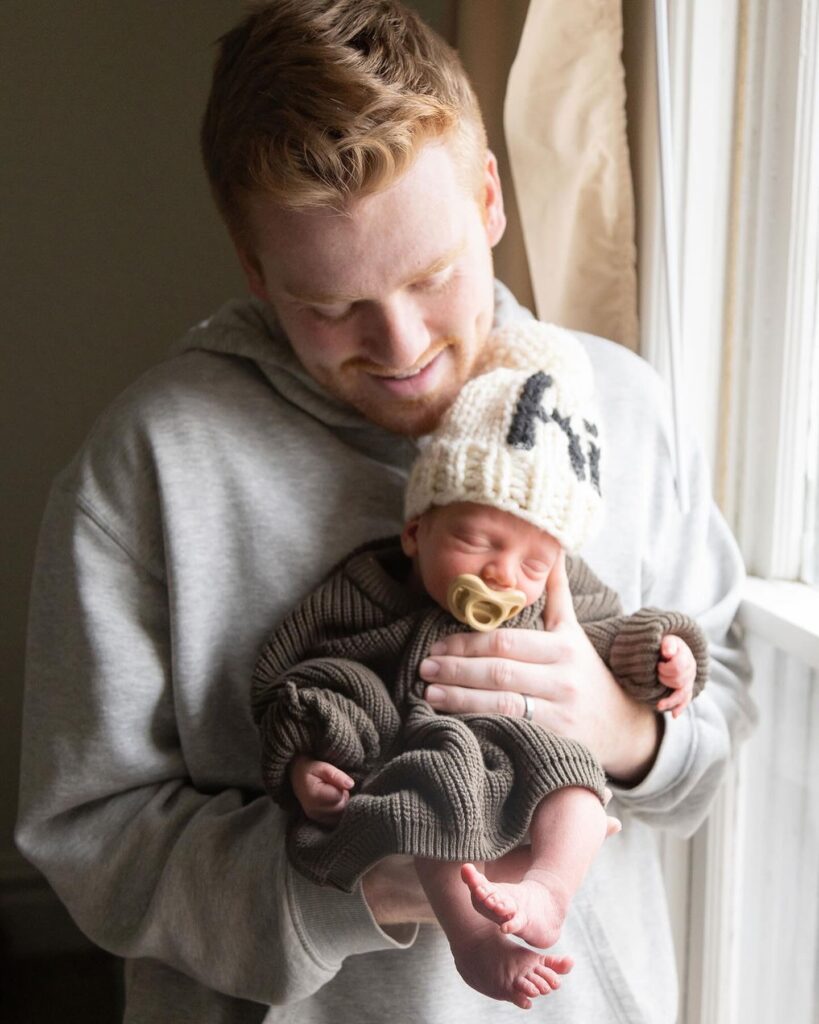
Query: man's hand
point(677, 670)
point(396, 897)
point(573, 692)
point(322, 789)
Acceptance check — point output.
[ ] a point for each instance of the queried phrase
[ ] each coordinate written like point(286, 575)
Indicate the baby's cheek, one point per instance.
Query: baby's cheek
point(533, 590)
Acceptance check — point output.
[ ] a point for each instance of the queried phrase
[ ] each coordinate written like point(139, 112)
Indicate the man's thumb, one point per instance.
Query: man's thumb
point(559, 606)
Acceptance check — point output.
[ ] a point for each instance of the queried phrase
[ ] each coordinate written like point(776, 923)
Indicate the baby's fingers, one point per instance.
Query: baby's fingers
point(327, 797)
point(329, 813)
point(669, 674)
point(675, 702)
point(332, 776)
point(669, 646)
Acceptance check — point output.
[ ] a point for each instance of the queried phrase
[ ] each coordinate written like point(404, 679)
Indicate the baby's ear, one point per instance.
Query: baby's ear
point(409, 537)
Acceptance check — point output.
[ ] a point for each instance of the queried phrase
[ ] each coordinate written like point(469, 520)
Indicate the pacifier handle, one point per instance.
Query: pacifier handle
point(475, 604)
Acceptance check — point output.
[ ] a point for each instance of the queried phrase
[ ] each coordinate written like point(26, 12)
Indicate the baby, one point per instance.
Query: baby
point(507, 482)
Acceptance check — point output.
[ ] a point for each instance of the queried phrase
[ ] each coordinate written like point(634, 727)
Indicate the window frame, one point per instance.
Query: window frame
point(745, 93)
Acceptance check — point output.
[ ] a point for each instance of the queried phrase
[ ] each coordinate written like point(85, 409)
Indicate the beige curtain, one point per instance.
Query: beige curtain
point(566, 134)
point(486, 33)
point(558, 129)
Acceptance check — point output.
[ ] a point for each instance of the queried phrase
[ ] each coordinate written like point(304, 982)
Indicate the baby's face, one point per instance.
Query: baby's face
point(502, 550)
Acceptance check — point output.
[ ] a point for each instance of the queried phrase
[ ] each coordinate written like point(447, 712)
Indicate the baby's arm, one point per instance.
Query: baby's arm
point(677, 669)
point(322, 789)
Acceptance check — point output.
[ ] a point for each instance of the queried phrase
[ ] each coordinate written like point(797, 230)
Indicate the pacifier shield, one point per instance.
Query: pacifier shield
point(475, 604)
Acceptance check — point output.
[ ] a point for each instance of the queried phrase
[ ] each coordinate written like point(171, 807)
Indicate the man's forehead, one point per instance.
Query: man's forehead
point(407, 229)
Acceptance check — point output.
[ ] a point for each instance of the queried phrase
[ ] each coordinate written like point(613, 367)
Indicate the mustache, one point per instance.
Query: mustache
point(379, 370)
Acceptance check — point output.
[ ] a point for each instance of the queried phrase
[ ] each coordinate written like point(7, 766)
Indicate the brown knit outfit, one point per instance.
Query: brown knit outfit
point(339, 682)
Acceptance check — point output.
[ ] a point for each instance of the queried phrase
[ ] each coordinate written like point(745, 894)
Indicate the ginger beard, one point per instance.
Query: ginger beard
point(369, 389)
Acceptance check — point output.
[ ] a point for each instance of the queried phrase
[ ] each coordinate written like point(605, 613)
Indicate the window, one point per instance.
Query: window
point(745, 85)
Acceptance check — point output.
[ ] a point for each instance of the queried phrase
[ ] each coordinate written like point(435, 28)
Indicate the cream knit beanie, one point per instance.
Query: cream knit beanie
point(523, 436)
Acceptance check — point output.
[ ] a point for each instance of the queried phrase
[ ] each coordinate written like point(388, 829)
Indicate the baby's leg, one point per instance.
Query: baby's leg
point(490, 962)
point(568, 828)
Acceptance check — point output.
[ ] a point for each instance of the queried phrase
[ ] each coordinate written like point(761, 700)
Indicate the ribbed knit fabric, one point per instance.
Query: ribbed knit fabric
point(523, 435)
point(624, 650)
point(339, 681)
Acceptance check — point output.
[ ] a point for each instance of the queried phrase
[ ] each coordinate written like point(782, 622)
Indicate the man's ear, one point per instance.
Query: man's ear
point(253, 272)
point(409, 537)
point(494, 217)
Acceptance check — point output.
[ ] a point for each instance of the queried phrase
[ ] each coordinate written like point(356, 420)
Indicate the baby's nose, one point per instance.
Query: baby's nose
point(499, 573)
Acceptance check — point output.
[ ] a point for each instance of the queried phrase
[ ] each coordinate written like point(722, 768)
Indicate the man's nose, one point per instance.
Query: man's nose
point(398, 334)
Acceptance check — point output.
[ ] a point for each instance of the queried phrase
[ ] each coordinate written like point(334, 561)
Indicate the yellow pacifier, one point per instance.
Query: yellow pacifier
point(475, 604)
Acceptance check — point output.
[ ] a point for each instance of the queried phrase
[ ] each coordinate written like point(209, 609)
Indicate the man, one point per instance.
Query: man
point(346, 154)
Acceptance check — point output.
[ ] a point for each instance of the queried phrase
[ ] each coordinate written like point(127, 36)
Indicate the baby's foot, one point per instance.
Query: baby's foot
point(533, 908)
point(501, 969)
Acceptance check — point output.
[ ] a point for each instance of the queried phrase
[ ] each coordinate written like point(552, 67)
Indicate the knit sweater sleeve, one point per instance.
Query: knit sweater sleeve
point(329, 708)
point(630, 644)
point(635, 651)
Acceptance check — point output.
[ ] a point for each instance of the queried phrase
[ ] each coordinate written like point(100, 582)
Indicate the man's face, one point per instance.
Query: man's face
point(388, 305)
point(505, 552)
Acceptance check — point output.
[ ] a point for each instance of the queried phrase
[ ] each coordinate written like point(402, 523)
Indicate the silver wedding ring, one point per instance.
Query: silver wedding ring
point(528, 706)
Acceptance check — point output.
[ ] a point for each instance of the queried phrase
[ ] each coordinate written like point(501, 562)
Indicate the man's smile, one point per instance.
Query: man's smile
point(408, 383)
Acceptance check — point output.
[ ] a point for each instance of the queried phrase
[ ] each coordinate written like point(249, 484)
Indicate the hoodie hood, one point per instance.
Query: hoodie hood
point(248, 329)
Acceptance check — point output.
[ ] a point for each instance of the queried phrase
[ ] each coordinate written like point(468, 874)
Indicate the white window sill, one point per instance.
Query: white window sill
point(785, 614)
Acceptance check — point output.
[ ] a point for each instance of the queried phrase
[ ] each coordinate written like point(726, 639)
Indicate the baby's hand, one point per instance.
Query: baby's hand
point(678, 670)
point(322, 789)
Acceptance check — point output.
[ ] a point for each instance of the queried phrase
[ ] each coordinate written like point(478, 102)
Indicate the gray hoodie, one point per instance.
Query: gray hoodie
point(213, 495)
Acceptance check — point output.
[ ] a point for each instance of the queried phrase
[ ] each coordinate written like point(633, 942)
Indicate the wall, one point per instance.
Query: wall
point(111, 250)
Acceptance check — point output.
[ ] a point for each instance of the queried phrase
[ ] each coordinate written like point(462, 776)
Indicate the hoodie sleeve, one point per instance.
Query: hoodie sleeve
point(148, 865)
point(690, 563)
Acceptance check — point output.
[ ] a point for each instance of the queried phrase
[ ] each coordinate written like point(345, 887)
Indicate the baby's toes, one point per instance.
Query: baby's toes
point(479, 885)
point(516, 922)
point(497, 903)
point(545, 980)
point(558, 964)
point(523, 992)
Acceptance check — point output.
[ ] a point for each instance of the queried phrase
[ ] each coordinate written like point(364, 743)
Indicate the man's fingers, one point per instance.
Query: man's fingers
point(459, 700)
point(516, 644)
point(517, 659)
point(559, 605)
point(489, 674)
